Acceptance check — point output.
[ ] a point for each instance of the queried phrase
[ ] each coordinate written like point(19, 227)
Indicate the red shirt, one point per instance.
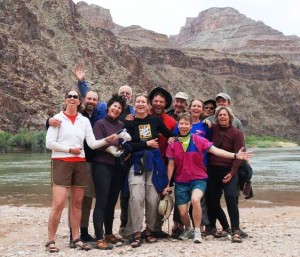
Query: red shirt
point(170, 123)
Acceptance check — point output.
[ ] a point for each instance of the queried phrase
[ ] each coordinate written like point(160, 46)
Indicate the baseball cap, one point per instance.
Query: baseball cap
point(182, 95)
point(224, 95)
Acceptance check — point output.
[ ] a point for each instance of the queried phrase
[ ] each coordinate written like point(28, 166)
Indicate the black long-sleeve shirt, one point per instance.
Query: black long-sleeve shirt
point(142, 130)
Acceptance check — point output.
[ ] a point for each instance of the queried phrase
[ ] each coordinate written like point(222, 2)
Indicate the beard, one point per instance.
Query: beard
point(89, 107)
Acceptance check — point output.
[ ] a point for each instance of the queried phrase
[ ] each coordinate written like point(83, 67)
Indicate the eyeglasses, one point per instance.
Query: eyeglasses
point(73, 96)
point(209, 108)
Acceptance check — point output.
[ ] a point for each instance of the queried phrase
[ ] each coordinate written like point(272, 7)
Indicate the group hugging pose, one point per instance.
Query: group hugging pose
point(194, 146)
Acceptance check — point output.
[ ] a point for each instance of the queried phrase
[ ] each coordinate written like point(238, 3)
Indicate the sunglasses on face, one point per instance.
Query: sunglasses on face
point(209, 108)
point(73, 96)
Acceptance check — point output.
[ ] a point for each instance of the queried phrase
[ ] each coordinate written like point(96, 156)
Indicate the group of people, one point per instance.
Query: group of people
point(195, 147)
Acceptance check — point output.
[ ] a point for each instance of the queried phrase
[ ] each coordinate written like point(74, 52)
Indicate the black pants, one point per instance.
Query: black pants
point(124, 197)
point(215, 188)
point(107, 180)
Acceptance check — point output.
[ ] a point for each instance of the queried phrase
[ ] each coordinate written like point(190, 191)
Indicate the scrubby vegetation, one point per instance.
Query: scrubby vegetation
point(23, 140)
point(29, 141)
point(265, 141)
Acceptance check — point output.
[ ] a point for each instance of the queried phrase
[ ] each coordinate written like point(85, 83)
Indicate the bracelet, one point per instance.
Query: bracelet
point(234, 156)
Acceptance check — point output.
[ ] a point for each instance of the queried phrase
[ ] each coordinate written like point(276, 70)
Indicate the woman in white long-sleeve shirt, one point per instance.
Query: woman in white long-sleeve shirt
point(68, 166)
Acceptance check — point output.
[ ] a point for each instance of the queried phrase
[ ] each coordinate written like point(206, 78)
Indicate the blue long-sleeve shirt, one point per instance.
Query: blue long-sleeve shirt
point(100, 111)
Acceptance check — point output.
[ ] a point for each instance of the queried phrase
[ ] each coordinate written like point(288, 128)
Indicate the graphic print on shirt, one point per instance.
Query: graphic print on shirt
point(145, 132)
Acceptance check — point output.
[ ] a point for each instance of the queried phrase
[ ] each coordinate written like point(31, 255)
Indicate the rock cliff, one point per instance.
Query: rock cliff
point(41, 40)
point(226, 30)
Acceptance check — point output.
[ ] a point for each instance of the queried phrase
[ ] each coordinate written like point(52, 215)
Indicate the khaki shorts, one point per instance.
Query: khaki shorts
point(90, 189)
point(69, 173)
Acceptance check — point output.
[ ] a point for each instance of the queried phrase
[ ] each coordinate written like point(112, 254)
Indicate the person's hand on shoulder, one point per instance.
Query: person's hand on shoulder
point(129, 117)
point(54, 122)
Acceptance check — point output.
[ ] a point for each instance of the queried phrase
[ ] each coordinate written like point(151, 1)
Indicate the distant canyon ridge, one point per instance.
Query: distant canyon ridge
point(221, 50)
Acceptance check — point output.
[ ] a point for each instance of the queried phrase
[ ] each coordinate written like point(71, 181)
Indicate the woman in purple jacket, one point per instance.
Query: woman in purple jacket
point(107, 175)
point(222, 175)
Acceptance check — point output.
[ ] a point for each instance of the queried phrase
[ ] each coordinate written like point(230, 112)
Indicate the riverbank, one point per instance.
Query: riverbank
point(274, 231)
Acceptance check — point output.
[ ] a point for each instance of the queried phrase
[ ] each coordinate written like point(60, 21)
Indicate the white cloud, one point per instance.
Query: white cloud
point(168, 16)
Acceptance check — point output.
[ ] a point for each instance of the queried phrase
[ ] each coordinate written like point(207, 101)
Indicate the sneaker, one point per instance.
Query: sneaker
point(187, 234)
point(197, 237)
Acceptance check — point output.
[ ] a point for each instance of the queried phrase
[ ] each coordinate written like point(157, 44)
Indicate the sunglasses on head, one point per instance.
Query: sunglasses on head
point(209, 108)
point(73, 96)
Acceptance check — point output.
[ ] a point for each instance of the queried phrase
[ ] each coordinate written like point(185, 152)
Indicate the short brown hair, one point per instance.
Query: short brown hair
point(186, 116)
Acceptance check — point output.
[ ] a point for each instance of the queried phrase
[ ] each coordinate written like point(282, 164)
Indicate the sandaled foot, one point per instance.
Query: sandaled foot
point(236, 238)
point(78, 244)
point(51, 247)
point(150, 239)
point(136, 242)
point(220, 234)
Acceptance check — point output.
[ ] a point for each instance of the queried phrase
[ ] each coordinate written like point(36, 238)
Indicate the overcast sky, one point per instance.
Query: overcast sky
point(168, 16)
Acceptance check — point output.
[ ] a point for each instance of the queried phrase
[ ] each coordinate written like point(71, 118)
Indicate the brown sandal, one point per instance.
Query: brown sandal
point(150, 239)
point(236, 238)
point(51, 247)
point(78, 244)
point(136, 242)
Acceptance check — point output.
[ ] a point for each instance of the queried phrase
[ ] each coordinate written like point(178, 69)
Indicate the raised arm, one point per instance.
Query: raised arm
point(83, 86)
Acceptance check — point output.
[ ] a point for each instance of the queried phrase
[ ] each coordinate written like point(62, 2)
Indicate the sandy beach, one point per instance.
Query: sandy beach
point(273, 231)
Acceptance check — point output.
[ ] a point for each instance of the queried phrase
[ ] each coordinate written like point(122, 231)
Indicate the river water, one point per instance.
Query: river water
point(25, 178)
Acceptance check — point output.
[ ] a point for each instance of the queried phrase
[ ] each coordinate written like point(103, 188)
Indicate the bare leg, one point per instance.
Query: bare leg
point(59, 199)
point(197, 194)
point(184, 215)
point(76, 202)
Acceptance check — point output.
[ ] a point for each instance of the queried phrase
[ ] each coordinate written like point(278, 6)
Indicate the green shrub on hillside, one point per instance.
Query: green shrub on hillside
point(24, 139)
point(263, 141)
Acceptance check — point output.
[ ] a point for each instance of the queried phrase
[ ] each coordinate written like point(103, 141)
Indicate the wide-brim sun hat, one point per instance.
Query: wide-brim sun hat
point(166, 206)
point(164, 92)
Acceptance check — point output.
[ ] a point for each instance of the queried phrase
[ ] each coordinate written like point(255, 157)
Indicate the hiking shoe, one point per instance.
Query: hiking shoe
point(112, 239)
point(242, 233)
point(187, 234)
point(103, 245)
point(160, 234)
point(176, 233)
point(197, 237)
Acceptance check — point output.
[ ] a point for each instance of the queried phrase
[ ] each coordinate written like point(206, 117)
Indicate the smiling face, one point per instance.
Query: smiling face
point(72, 99)
point(184, 126)
point(222, 102)
point(114, 110)
point(158, 104)
point(179, 105)
point(223, 118)
point(126, 92)
point(90, 101)
point(141, 105)
point(209, 109)
point(196, 109)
